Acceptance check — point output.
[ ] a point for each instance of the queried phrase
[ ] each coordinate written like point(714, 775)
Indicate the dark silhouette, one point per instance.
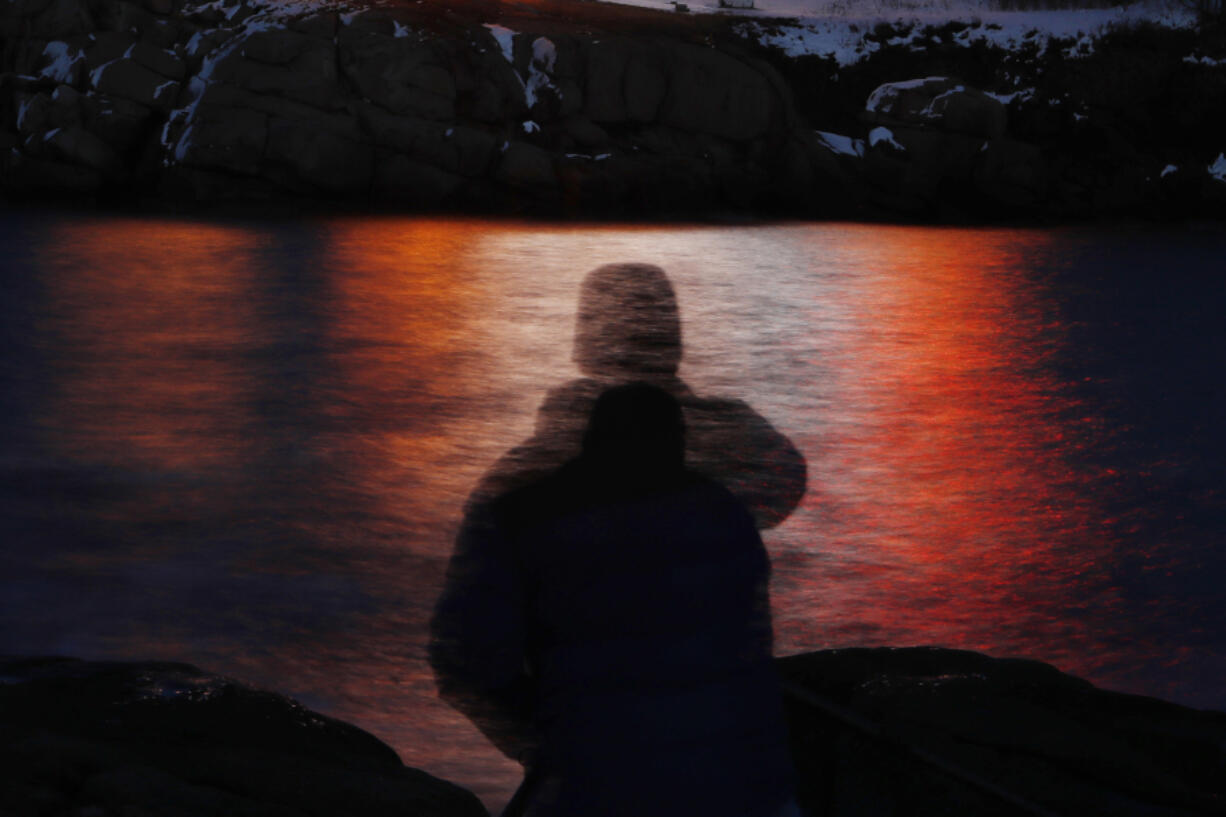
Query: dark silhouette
point(628, 329)
point(609, 626)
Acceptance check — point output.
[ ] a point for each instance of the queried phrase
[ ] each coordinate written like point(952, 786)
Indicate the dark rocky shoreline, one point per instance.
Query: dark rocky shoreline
point(914, 731)
point(562, 109)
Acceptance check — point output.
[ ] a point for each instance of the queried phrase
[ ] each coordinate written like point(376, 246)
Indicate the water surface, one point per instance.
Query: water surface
point(247, 445)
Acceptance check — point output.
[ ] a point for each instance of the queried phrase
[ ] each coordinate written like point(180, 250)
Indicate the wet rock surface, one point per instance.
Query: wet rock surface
point(564, 111)
point(925, 731)
point(133, 739)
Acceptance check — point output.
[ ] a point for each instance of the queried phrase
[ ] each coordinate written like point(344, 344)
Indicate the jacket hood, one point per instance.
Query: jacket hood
point(628, 324)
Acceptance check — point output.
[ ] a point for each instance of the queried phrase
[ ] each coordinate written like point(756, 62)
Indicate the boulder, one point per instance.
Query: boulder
point(526, 166)
point(607, 61)
point(78, 146)
point(1012, 173)
point(157, 738)
point(161, 60)
point(398, 73)
point(400, 178)
point(119, 15)
point(930, 731)
point(711, 92)
point(310, 76)
point(107, 46)
point(122, 124)
point(324, 152)
point(31, 176)
point(127, 78)
point(58, 19)
point(35, 113)
point(455, 149)
point(220, 137)
point(585, 132)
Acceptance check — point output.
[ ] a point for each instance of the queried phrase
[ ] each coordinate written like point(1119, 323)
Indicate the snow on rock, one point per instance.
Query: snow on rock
point(826, 38)
point(22, 109)
point(63, 60)
point(1208, 62)
point(531, 127)
point(881, 135)
point(95, 76)
point(1021, 95)
point(882, 99)
point(844, 32)
point(540, 68)
point(842, 145)
point(401, 30)
point(1218, 169)
point(505, 38)
point(544, 54)
point(1168, 170)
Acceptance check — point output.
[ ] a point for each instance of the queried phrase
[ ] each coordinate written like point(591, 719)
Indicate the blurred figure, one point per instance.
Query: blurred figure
point(608, 625)
point(628, 329)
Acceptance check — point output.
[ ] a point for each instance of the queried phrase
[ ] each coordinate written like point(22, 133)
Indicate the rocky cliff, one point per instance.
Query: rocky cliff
point(402, 104)
point(562, 107)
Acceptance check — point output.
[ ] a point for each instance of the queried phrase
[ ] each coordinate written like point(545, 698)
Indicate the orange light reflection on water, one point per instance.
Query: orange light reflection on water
point(151, 317)
point(951, 514)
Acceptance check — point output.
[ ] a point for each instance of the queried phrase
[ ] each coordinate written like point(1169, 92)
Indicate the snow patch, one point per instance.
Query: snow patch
point(531, 127)
point(886, 94)
point(1021, 95)
point(544, 55)
point(1168, 170)
point(844, 31)
point(842, 145)
point(505, 39)
point(1208, 62)
point(62, 61)
point(184, 143)
point(1218, 169)
point(95, 76)
point(401, 31)
point(21, 112)
point(882, 135)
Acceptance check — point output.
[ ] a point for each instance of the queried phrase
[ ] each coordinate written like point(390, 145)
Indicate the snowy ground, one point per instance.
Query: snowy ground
point(837, 27)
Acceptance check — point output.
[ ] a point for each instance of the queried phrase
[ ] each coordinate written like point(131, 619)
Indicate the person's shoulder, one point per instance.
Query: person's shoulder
point(549, 495)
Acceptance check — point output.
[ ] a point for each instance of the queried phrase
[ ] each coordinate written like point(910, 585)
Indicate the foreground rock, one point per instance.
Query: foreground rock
point(925, 731)
point(133, 739)
point(881, 732)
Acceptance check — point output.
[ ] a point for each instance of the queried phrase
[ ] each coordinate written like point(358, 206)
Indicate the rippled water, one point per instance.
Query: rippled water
point(246, 445)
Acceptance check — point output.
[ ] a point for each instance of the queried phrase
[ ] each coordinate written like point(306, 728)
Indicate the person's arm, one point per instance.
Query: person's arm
point(729, 442)
point(478, 639)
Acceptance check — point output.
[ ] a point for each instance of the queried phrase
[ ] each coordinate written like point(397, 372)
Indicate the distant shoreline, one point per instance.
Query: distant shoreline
point(573, 110)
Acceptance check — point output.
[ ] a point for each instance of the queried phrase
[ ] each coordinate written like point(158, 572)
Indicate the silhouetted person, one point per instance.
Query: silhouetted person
point(628, 329)
point(609, 626)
